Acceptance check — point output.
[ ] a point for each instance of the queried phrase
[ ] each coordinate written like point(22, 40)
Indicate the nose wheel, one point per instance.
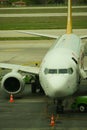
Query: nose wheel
point(59, 107)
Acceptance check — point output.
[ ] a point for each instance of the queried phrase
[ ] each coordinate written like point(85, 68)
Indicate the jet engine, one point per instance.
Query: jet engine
point(13, 83)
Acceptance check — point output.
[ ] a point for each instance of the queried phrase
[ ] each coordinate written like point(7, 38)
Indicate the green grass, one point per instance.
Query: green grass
point(53, 10)
point(26, 23)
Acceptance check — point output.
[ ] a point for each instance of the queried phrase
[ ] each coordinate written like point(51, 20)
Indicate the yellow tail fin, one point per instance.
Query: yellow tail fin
point(69, 18)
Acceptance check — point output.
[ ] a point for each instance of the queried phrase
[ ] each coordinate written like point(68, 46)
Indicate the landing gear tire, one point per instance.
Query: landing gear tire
point(82, 108)
point(59, 107)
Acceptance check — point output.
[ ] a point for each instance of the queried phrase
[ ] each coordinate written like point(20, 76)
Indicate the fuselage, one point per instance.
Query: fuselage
point(59, 71)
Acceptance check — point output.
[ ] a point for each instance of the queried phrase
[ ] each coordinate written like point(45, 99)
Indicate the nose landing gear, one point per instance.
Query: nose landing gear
point(59, 106)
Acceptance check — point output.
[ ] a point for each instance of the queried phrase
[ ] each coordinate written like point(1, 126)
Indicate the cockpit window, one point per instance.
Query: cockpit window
point(70, 70)
point(50, 71)
point(74, 60)
point(53, 71)
point(62, 71)
point(46, 71)
point(58, 71)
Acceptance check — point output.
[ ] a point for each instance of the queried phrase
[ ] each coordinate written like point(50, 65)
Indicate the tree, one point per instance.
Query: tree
point(46, 2)
point(59, 1)
point(82, 1)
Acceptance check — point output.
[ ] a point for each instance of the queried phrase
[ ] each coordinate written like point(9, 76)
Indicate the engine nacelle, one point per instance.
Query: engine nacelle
point(13, 83)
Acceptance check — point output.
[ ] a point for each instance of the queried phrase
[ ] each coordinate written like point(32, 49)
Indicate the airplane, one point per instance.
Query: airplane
point(60, 71)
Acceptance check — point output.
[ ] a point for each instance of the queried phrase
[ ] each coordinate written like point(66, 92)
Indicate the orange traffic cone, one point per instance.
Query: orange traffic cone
point(11, 99)
point(52, 122)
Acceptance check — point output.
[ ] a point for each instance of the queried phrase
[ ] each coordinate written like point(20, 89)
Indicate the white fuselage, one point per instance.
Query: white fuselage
point(59, 71)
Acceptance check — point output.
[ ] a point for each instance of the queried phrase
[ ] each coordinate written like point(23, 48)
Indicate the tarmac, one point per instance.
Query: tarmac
point(23, 52)
point(34, 113)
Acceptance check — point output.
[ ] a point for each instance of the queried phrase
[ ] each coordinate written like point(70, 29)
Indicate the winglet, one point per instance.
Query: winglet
point(69, 18)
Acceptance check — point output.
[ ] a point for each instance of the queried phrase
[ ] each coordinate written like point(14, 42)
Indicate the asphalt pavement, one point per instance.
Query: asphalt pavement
point(34, 113)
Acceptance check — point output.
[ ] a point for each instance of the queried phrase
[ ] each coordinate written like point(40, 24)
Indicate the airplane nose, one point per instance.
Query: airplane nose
point(57, 86)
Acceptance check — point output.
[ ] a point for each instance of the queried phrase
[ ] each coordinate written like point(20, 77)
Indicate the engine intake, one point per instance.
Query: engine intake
point(13, 83)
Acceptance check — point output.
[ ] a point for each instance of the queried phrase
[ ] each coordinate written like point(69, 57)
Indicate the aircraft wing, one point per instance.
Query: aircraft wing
point(84, 37)
point(46, 35)
point(13, 67)
point(39, 34)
